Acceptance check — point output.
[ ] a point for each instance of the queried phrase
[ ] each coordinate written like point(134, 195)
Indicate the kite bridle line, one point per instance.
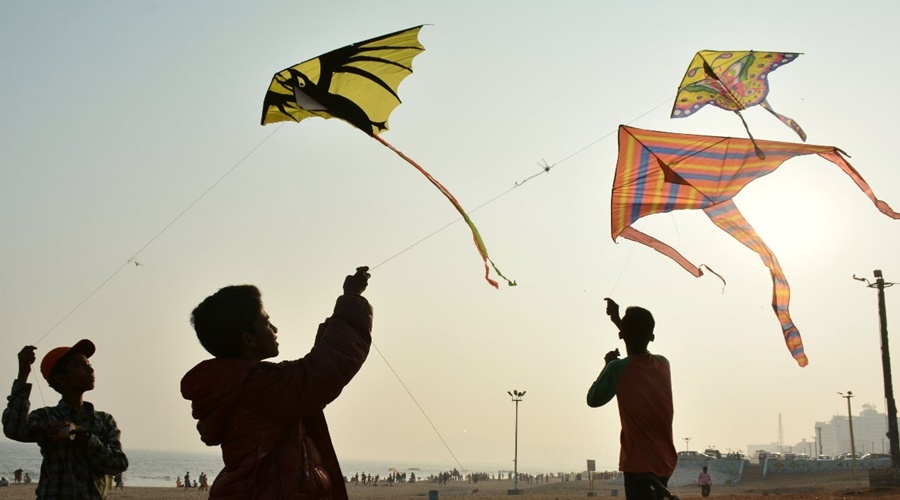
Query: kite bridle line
point(712, 74)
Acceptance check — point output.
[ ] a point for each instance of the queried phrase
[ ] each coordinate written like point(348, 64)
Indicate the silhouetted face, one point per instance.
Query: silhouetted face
point(79, 376)
point(264, 338)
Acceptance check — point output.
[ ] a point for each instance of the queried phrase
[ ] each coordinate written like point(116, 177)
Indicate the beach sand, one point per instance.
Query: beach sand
point(824, 486)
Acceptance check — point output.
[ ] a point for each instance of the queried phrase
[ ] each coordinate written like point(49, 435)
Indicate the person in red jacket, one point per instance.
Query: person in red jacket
point(268, 417)
point(642, 384)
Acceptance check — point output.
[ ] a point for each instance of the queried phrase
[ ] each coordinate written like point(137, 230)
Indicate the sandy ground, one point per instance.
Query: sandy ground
point(838, 485)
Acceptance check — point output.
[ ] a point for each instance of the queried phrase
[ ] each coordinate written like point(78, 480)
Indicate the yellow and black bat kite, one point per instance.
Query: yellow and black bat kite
point(358, 84)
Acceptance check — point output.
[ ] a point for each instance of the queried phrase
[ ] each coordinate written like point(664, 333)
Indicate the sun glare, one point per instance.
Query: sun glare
point(789, 213)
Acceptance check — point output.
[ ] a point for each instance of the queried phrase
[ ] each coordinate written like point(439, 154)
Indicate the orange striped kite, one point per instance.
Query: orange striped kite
point(658, 172)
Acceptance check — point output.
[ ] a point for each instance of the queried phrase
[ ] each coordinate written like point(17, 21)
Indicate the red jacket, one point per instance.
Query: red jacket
point(259, 411)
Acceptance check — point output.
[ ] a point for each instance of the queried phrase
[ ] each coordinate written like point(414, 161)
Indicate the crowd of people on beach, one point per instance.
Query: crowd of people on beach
point(203, 485)
point(18, 477)
point(444, 478)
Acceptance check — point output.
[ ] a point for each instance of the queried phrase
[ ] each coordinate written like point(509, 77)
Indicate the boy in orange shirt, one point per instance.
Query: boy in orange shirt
point(642, 384)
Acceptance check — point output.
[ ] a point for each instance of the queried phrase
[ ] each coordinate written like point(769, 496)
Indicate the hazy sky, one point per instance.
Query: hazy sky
point(116, 116)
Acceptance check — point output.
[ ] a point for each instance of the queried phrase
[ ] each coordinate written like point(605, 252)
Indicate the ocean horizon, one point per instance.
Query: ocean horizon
point(154, 468)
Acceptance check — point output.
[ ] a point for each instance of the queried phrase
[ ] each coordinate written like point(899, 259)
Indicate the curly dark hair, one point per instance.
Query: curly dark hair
point(638, 322)
point(224, 316)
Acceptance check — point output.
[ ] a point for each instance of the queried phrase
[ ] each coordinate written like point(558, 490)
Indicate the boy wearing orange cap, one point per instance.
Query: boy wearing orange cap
point(80, 445)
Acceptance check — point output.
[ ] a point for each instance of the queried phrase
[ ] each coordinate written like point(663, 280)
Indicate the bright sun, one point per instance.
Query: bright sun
point(791, 216)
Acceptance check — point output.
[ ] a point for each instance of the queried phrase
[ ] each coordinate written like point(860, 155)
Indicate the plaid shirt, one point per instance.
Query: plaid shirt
point(69, 471)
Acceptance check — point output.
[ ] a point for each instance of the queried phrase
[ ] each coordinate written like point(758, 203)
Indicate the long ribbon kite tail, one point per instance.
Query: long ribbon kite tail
point(759, 152)
point(476, 236)
point(785, 120)
point(729, 219)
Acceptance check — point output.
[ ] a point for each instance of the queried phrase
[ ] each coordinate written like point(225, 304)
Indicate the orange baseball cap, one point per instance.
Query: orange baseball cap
point(83, 346)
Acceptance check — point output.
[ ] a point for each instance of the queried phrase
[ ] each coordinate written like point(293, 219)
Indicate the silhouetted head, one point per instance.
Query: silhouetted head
point(637, 328)
point(67, 369)
point(223, 318)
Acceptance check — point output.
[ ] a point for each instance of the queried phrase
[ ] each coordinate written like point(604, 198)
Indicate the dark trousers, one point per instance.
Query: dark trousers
point(705, 489)
point(641, 486)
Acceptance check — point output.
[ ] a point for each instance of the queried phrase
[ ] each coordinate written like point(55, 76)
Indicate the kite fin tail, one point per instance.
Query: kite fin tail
point(476, 236)
point(785, 120)
point(729, 219)
point(839, 160)
point(630, 233)
point(759, 152)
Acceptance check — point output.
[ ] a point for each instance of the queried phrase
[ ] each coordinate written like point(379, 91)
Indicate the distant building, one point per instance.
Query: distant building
point(869, 432)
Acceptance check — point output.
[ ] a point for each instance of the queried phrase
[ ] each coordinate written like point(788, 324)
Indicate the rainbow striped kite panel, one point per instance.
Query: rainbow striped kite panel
point(658, 172)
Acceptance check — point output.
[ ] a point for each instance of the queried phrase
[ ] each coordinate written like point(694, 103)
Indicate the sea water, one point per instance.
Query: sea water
point(161, 468)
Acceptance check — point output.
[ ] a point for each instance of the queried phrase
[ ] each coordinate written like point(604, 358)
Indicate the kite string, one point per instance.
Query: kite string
point(545, 168)
point(436, 431)
point(133, 259)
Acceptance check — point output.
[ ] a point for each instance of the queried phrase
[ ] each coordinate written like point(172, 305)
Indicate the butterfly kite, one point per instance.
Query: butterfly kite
point(733, 81)
point(659, 172)
point(358, 84)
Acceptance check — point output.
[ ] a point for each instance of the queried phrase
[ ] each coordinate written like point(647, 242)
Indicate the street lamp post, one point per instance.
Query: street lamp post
point(893, 438)
point(516, 398)
point(687, 444)
point(852, 442)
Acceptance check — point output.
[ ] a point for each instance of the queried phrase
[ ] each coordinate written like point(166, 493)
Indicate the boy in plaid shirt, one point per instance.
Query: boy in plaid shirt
point(80, 445)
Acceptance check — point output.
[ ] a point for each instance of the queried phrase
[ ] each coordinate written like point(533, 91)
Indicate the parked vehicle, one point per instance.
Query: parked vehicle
point(693, 455)
point(875, 456)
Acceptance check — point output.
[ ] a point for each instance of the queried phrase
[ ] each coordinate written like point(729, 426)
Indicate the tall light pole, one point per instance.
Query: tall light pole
point(516, 398)
point(852, 442)
point(886, 367)
point(687, 444)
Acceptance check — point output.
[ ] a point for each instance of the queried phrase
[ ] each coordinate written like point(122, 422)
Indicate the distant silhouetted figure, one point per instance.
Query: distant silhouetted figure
point(705, 482)
point(642, 385)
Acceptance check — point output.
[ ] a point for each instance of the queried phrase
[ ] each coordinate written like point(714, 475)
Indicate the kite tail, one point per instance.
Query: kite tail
point(836, 158)
point(759, 152)
point(729, 219)
point(785, 120)
point(630, 233)
point(476, 236)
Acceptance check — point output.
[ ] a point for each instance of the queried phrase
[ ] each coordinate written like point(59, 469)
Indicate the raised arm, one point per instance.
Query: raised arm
point(16, 424)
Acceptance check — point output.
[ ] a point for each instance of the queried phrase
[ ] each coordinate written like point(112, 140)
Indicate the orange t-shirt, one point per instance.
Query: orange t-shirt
point(643, 386)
